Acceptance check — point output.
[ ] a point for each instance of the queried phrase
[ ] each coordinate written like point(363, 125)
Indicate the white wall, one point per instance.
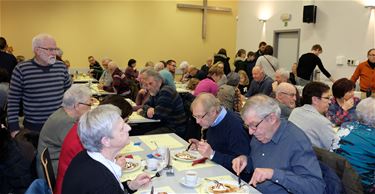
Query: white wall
point(343, 28)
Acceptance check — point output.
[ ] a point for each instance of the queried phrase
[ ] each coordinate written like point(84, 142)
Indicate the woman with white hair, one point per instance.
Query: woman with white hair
point(357, 143)
point(103, 134)
point(184, 67)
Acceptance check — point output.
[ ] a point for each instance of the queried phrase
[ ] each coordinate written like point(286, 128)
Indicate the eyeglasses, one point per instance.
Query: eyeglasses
point(200, 117)
point(49, 49)
point(325, 97)
point(256, 126)
point(84, 104)
point(371, 55)
point(289, 94)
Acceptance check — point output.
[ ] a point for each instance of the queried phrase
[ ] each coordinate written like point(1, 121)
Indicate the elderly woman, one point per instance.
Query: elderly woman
point(184, 67)
point(357, 143)
point(103, 134)
point(343, 105)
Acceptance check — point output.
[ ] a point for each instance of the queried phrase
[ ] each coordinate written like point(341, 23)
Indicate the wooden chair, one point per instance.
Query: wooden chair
point(47, 169)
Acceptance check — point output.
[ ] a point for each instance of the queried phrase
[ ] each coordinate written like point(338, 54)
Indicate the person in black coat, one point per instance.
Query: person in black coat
point(222, 56)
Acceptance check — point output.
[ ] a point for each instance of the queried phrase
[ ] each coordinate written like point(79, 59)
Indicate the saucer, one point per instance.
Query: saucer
point(199, 182)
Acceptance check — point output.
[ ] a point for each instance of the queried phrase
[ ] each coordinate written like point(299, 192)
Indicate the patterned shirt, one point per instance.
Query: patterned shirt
point(337, 115)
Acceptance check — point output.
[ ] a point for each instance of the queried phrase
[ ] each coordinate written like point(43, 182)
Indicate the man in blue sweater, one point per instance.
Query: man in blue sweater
point(226, 136)
point(40, 83)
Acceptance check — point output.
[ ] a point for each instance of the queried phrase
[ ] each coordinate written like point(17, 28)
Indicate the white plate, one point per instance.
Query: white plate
point(234, 184)
point(199, 182)
point(135, 162)
point(153, 171)
point(192, 153)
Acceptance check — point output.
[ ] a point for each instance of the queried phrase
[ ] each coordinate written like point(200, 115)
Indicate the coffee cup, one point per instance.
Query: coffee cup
point(152, 164)
point(191, 178)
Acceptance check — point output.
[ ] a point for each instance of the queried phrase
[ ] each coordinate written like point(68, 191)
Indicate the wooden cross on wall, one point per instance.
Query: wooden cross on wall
point(204, 10)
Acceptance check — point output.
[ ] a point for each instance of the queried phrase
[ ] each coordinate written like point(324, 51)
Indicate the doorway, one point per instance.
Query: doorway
point(286, 47)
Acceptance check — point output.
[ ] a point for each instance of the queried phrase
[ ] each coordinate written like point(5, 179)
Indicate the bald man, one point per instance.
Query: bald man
point(286, 96)
point(261, 83)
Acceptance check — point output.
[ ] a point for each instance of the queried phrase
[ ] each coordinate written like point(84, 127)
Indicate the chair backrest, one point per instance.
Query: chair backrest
point(38, 186)
point(349, 177)
point(47, 168)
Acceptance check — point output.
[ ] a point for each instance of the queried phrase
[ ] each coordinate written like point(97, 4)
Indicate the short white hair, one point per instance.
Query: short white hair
point(365, 111)
point(283, 73)
point(38, 39)
point(262, 105)
point(159, 66)
point(96, 124)
point(184, 65)
point(76, 94)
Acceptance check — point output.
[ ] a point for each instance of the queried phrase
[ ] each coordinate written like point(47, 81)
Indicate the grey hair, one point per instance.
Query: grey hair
point(113, 64)
point(159, 66)
point(207, 100)
point(262, 105)
point(365, 111)
point(96, 124)
point(184, 65)
point(106, 59)
point(154, 74)
point(38, 39)
point(284, 73)
point(282, 87)
point(75, 94)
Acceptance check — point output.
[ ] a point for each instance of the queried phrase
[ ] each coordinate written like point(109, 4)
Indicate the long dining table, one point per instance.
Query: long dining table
point(170, 181)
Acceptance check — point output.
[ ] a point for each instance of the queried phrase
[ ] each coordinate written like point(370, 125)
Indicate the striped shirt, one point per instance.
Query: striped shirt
point(40, 88)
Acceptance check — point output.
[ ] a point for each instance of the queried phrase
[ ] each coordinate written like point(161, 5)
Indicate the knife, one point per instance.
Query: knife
point(239, 181)
point(152, 190)
point(187, 149)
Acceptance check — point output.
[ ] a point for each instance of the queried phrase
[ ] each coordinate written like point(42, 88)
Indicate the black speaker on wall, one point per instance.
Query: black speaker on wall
point(309, 13)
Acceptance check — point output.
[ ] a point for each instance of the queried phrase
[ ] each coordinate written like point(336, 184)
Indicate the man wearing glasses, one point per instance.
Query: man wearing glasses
point(226, 136)
point(286, 96)
point(310, 118)
point(39, 83)
point(281, 155)
point(365, 71)
point(76, 101)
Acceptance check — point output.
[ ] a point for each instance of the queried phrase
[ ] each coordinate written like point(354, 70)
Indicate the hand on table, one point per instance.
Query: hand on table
point(139, 181)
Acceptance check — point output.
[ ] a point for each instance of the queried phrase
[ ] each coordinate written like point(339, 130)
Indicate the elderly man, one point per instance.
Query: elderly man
point(261, 83)
point(164, 103)
point(286, 96)
point(281, 75)
point(281, 155)
point(120, 84)
point(106, 77)
point(206, 66)
point(103, 134)
point(39, 83)
point(76, 101)
point(366, 71)
point(226, 137)
point(310, 117)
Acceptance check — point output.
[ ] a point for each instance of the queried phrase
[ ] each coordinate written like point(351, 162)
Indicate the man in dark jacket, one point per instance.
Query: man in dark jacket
point(7, 60)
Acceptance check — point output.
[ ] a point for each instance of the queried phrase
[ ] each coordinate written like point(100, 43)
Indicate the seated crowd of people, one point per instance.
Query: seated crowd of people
point(253, 120)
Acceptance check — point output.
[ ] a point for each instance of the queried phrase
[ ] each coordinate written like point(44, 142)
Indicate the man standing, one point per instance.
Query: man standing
point(7, 60)
point(40, 83)
point(164, 104)
point(366, 72)
point(226, 137)
point(307, 63)
point(260, 51)
point(286, 96)
point(261, 83)
point(281, 155)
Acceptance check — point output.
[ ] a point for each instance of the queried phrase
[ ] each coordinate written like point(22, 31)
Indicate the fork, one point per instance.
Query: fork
point(156, 175)
point(212, 180)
